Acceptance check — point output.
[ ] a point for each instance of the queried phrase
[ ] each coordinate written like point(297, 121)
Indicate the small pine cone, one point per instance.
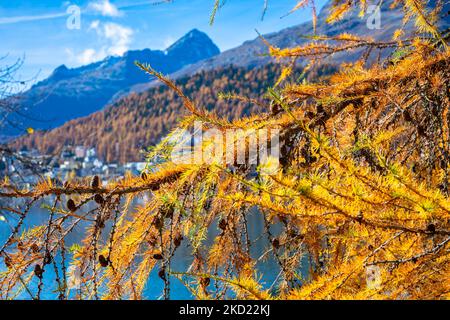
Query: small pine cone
point(276, 243)
point(100, 223)
point(157, 256)
point(71, 205)
point(421, 131)
point(223, 224)
point(431, 228)
point(8, 262)
point(95, 182)
point(48, 258)
point(35, 248)
point(20, 246)
point(177, 240)
point(162, 273)
point(103, 261)
point(205, 282)
point(38, 271)
point(275, 108)
point(99, 199)
point(158, 223)
point(360, 217)
point(407, 116)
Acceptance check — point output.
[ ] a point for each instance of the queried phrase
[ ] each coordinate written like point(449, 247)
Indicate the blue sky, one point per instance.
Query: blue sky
point(38, 30)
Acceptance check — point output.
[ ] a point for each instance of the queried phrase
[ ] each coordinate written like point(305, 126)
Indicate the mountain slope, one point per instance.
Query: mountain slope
point(71, 93)
point(137, 121)
point(141, 119)
point(253, 53)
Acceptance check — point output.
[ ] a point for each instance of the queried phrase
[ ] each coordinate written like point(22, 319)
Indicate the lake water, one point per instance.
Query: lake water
point(267, 269)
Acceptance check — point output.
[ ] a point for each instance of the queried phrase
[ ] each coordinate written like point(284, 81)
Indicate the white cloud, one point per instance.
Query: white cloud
point(105, 8)
point(115, 40)
point(88, 56)
point(119, 37)
point(94, 25)
point(19, 19)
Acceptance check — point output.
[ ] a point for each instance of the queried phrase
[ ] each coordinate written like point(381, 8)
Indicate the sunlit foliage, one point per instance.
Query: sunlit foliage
point(140, 120)
point(361, 194)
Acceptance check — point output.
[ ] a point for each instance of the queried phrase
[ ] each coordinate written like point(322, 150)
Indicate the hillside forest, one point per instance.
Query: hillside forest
point(359, 197)
point(141, 120)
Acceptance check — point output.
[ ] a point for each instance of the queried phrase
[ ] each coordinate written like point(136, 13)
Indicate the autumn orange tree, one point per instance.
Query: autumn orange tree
point(361, 193)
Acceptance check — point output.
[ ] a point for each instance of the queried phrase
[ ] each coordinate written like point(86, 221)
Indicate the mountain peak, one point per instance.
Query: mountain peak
point(194, 42)
point(101, 82)
point(62, 67)
point(60, 73)
point(195, 32)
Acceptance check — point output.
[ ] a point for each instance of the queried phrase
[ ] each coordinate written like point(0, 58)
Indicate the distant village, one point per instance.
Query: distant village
point(72, 162)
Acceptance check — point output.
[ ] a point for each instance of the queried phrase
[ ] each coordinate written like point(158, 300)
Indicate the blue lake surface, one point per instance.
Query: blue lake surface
point(267, 269)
